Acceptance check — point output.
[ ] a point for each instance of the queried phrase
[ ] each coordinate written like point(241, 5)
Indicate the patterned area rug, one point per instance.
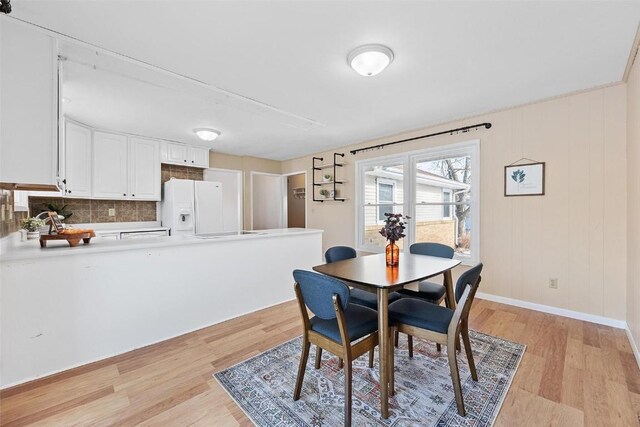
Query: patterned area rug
point(263, 386)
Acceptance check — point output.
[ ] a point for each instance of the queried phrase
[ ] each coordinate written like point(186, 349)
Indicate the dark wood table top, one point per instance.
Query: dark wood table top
point(372, 271)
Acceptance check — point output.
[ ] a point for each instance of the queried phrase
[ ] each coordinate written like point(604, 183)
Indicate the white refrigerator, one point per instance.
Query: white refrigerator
point(192, 207)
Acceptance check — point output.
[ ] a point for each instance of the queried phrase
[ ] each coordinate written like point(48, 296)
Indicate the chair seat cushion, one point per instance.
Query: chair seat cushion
point(369, 299)
point(421, 314)
point(427, 290)
point(360, 321)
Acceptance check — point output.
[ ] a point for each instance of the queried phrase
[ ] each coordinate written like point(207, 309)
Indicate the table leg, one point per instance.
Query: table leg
point(448, 284)
point(383, 347)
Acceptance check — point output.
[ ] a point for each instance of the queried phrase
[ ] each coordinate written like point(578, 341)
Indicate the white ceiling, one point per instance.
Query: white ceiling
point(276, 82)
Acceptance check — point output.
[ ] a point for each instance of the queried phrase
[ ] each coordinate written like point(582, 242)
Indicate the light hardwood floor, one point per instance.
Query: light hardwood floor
point(573, 374)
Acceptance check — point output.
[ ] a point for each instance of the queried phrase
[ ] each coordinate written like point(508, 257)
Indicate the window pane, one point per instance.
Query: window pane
point(371, 235)
point(437, 179)
point(432, 226)
point(385, 179)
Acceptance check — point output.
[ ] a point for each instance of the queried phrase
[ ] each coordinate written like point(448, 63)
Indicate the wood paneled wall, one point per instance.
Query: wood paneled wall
point(576, 232)
point(633, 201)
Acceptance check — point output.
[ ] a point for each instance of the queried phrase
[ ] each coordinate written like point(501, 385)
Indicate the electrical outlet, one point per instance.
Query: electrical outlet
point(553, 283)
point(112, 212)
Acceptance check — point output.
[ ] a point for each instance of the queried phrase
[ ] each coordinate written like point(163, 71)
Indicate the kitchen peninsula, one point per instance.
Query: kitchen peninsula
point(64, 307)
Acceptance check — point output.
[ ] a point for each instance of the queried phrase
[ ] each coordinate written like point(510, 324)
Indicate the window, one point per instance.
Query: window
point(442, 188)
point(386, 190)
point(446, 208)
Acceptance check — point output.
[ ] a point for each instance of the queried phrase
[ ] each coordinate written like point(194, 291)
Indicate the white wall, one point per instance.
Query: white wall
point(633, 202)
point(575, 233)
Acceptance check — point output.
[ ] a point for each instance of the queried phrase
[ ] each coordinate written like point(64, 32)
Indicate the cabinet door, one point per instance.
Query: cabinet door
point(176, 153)
point(77, 160)
point(29, 87)
point(110, 172)
point(144, 169)
point(199, 157)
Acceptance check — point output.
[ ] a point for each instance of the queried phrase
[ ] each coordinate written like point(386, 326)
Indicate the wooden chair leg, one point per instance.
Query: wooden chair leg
point(467, 348)
point(318, 356)
point(371, 358)
point(438, 347)
point(392, 379)
point(396, 337)
point(303, 364)
point(347, 393)
point(340, 363)
point(455, 375)
point(410, 344)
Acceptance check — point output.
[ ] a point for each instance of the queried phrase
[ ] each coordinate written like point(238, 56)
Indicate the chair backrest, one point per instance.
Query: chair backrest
point(470, 277)
point(317, 292)
point(432, 249)
point(339, 253)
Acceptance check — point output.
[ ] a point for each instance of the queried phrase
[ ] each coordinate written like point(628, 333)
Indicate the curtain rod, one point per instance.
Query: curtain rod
point(450, 131)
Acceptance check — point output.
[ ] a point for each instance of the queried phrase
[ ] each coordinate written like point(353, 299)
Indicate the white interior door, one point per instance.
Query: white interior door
point(267, 201)
point(231, 196)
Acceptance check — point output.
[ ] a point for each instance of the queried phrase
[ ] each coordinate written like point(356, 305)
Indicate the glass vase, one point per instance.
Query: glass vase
point(393, 253)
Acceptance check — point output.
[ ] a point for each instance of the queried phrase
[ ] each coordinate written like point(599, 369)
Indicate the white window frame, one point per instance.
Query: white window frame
point(409, 161)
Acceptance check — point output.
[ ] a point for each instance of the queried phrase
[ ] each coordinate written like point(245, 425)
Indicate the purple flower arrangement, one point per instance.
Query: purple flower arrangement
point(394, 225)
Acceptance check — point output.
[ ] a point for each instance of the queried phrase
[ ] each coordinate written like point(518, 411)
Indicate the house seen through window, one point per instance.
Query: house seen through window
point(441, 198)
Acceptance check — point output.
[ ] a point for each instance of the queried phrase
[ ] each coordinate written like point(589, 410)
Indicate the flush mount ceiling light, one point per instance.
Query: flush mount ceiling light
point(370, 59)
point(207, 134)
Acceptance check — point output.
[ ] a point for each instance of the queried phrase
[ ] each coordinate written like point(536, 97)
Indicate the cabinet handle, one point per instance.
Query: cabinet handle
point(185, 160)
point(192, 161)
point(133, 195)
point(124, 194)
point(69, 191)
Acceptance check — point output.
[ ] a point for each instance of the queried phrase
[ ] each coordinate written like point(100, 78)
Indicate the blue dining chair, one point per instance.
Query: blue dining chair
point(433, 292)
point(335, 326)
point(443, 325)
point(358, 296)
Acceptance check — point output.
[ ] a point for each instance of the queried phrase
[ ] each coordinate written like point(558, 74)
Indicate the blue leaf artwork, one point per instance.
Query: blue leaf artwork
point(518, 175)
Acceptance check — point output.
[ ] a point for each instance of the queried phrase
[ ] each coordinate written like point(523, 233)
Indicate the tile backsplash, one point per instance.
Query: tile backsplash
point(9, 219)
point(88, 211)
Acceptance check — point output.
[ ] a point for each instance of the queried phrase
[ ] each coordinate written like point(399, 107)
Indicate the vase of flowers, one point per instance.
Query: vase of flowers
point(393, 230)
point(32, 225)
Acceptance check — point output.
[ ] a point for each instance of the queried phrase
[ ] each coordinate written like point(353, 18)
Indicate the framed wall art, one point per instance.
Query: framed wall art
point(524, 179)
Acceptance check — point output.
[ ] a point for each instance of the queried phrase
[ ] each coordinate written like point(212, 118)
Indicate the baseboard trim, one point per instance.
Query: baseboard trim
point(632, 342)
point(601, 320)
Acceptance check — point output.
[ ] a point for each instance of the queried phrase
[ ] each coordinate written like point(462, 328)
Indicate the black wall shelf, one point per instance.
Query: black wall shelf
point(334, 182)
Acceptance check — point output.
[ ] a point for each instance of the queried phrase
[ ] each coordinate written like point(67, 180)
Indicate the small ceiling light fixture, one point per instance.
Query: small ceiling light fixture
point(370, 59)
point(206, 134)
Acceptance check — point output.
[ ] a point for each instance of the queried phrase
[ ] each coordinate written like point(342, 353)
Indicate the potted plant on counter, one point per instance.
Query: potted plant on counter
point(324, 193)
point(32, 225)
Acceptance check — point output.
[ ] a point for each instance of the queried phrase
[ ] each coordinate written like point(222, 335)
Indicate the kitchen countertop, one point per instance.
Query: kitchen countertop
point(14, 250)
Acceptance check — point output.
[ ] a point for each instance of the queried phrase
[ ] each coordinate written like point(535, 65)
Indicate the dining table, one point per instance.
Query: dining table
point(371, 273)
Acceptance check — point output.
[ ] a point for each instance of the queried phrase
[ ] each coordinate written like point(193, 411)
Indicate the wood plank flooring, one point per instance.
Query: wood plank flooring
point(573, 373)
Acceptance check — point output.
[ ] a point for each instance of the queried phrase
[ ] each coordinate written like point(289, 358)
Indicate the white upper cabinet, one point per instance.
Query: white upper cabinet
point(77, 161)
point(177, 153)
point(199, 157)
point(180, 154)
point(144, 169)
point(29, 88)
point(110, 166)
